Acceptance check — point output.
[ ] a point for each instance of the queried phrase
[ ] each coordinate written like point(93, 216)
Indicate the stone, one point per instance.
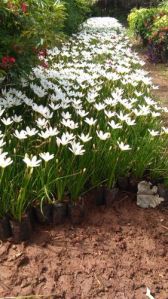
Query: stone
point(147, 195)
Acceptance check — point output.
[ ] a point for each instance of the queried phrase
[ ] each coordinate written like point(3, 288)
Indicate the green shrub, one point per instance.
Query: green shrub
point(29, 28)
point(77, 10)
point(141, 21)
point(152, 26)
point(164, 4)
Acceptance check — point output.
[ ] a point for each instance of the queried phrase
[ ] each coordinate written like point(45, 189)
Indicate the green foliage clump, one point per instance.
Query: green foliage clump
point(77, 10)
point(151, 25)
point(28, 28)
point(141, 20)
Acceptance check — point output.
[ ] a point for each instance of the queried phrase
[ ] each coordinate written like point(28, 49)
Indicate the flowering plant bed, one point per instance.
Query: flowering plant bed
point(86, 121)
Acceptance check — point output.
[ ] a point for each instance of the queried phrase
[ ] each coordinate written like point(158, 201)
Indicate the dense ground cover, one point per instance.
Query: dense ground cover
point(86, 120)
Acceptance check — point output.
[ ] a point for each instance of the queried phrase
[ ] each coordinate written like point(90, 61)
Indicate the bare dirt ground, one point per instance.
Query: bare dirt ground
point(158, 72)
point(116, 253)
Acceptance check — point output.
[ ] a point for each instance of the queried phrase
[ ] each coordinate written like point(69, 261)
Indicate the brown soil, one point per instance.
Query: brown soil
point(158, 72)
point(116, 253)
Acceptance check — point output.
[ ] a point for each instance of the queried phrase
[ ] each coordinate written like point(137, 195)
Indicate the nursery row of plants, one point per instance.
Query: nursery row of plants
point(151, 25)
point(85, 121)
point(28, 28)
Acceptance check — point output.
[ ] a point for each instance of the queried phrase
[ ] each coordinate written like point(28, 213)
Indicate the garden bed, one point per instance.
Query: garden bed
point(116, 253)
point(87, 119)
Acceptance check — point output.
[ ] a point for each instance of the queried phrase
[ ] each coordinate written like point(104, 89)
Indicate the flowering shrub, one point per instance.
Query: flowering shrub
point(141, 20)
point(158, 41)
point(88, 119)
point(151, 25)
point(28, 28)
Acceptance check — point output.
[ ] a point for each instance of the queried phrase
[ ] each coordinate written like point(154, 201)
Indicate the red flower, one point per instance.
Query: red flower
point(24, 7)
point(8, 60)
point(5, 60)
point(44, 64)
point(12, 60)
point(42, 52)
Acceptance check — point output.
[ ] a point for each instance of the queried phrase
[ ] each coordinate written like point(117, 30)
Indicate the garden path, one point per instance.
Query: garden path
point(158, 72)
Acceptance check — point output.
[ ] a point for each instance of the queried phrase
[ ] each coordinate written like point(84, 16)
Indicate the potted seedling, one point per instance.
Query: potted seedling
point(43, 208)
point(76, 210)
point(100, 195)
point(60, 212)
point(76, 207)
point(60, 205)
point(20, 222)
point(43, 212)
point(5, 228)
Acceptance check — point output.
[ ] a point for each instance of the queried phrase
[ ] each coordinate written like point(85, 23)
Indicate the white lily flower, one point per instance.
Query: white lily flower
point(2, 142)
point(55, 106)
point(31, 132)
point(1, 134)
point(82, 113)
point(7, 121)
point(123, 147)
point(165, 109)
point(100, 106)
point(41, 122)
point(130, 122)
point(77, 148)
point(114, 125)
point(102, 135)
point(145, 110)
point(48, 115)
point(85, 138)
point(4, 162)
point(66, 115)
point(1, 111)
point(109, 114)
point(121, 116)
point(69, 124)
point(65, 139)
point(138, 94)
point(31, 162)
point(50, 132)
point(154, 133)
point(20, 135)
point(137, 112)
point(165, 130)
point(155, 87)
point(149, 101)
point(110, 101)
point(90, 121)
point(46, 156)
point(156, 114)
point(38, 90)
point(17, 118)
